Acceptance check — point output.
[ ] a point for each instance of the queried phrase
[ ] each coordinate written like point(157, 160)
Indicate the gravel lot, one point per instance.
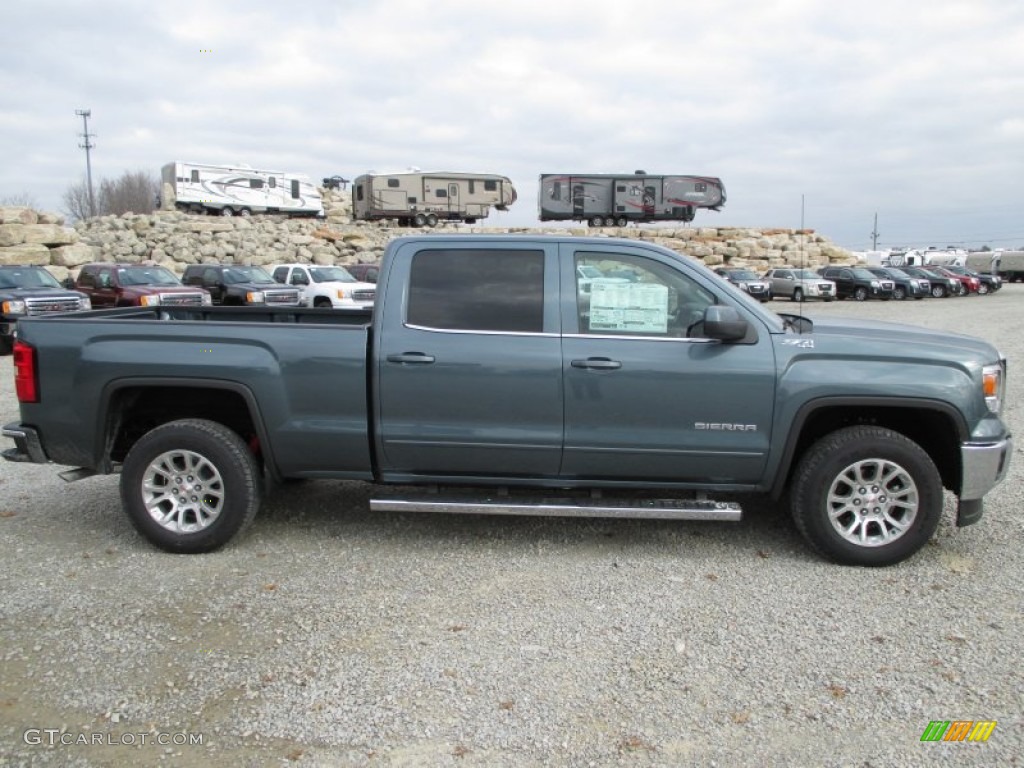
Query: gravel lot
point(329, 636)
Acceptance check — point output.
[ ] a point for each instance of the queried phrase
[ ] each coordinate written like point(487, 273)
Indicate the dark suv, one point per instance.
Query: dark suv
point(239, 285)
point(27, 291)
point(136, 285)
point(905, 285)
point(858, 283)
point(941, 286)
point(364, 272)
point(748, 281)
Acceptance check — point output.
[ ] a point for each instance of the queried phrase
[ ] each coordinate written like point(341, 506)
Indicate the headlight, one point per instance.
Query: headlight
point(874, 284)
point(207, 300)
point(992, 385)
point(150, 301)
point(85, 303)
point(14, 307)
point(254, 297)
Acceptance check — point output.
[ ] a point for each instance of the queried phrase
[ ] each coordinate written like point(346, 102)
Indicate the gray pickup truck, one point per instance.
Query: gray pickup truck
point(487, 380)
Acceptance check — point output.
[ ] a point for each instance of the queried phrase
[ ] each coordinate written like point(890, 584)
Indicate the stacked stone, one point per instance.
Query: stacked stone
point(175, 239)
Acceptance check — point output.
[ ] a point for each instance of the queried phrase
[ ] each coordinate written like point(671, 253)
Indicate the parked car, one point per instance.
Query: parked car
point(904, 285)
point(325, 286)
point(941, 286)
point(747, 280)
point(965, 285)
point(986, 283)
point(136, 285)
point(237, 285)
point(858, 283)
point(365, 272)
point(27, 291)
point(799, 284)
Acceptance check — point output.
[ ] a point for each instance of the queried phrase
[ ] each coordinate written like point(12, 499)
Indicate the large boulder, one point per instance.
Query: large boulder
point(49, 234)
point(17, 214)
point(11, 234)
point(74, 255)
point(25, 253)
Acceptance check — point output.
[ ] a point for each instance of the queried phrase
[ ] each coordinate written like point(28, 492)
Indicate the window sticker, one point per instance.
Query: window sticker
point(629, 307)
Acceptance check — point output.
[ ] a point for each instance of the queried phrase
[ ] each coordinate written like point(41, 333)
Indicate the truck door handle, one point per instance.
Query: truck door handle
point(411, 357)
point(597, 364)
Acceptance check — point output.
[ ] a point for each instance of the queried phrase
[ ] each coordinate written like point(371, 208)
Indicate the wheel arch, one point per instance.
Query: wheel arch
point(132, 407)
point(934, 425)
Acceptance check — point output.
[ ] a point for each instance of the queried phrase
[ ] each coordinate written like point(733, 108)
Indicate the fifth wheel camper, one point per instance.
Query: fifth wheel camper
point(424, 198)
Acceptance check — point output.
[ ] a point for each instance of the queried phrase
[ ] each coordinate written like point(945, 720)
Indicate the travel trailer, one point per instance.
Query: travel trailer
point(240, 190)
point(421, 198)
point(617, 199)
point(1009, 265)
point(944, 257)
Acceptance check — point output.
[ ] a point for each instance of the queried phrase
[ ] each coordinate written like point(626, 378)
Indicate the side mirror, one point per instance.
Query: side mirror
point(724, 323)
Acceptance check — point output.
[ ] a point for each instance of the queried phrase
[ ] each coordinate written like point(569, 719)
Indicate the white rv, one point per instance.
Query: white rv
point(1009, 265)
point(421, 198)
point(914, 257)
point(617, 199)
point(229, 190)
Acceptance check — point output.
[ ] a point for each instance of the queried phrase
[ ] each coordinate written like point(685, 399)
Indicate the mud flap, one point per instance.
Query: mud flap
point(969, 512)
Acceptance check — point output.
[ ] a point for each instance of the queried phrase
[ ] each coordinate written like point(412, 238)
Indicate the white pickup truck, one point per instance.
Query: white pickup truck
point(326, 286)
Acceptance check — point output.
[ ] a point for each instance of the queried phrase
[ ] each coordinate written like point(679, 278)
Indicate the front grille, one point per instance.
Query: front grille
point(887, 285)
point(181, 299)
point(46, 306)
point(366, 295)
point(825, 287)
point(281, 297)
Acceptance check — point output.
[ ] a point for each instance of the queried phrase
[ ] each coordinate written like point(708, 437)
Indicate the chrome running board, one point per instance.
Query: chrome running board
point(649, 509)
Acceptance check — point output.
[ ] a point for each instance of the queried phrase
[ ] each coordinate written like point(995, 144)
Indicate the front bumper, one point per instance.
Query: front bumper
point(27, 445)
point(984, 467)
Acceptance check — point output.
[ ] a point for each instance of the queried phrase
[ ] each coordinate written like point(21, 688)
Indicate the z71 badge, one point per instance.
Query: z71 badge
point(803, 343)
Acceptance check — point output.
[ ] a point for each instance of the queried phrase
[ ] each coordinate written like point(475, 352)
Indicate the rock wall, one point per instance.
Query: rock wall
point(175, 239)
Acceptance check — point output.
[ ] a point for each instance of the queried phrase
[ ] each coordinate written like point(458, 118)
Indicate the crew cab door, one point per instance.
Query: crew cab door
point(468, 361)
point(645, 400)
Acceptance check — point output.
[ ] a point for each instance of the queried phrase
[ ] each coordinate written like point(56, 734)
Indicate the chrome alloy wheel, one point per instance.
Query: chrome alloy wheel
point(182, 491)
point(873, 502)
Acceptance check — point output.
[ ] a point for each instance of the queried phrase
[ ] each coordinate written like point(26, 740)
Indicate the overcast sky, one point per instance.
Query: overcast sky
point(911, 110)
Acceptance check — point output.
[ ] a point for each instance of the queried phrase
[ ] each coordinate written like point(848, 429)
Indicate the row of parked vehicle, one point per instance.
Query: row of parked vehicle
point(32, 290)
point(862, 283)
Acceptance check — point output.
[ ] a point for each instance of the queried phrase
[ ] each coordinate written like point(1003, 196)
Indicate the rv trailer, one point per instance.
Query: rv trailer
point(1009, 265)
point(420, 198)
point(617, 199)
point(230, 190)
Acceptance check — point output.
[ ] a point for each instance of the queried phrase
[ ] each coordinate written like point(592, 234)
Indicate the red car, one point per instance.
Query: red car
point(967, 283)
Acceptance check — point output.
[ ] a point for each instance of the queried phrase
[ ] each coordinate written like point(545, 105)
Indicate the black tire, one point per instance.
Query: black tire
point(6, 345)
point(227, 211)
point(431, 220)
point(221, 504)
point(798, 295)
point(899, 293)
point(845, 465)
point(983, 289)
point(621, 221)
point(939, 291)
point(596, 221)
point(245, 213)
point(860, 294)
point(419, 220)
point(322, 302)
point(828, 299)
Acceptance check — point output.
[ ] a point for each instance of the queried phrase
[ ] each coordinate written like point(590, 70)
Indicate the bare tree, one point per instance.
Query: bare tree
point(76, 201)
point(20, 199)
point(134, 192)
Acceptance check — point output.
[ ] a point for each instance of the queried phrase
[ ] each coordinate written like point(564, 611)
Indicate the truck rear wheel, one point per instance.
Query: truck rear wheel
point(866, 496)
point(419, 220)
point(431, 220)
point(191, 485)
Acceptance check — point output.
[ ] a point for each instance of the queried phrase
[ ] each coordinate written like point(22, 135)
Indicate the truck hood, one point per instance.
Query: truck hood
point(333, 285)
point(876, 338)
point(46, 293)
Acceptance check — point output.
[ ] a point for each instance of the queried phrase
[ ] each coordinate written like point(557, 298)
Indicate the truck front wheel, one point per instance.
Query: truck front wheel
point(866, 496)
point(189, 486)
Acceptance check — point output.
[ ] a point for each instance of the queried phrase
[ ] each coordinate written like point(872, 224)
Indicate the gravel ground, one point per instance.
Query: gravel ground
point(331, 636)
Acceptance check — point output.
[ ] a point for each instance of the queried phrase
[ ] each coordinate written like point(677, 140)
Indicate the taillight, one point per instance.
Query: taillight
point(26, 377)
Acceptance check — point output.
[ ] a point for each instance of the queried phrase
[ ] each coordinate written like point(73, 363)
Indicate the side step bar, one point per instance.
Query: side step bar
point(650, 509)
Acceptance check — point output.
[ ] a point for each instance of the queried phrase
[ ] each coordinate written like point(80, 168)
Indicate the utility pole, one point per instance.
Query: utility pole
point(874, 235)
point(85, 114)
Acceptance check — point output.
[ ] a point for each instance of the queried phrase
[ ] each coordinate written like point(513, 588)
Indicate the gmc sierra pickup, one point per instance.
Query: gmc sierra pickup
point(487, 375)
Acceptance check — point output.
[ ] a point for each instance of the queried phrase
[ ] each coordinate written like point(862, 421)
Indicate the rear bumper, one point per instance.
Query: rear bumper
point(27, 445)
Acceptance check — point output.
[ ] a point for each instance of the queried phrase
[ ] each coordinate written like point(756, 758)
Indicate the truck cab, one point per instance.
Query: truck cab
point(238, 285)
point(136, 285)
point(326, 286)
point(28, 291)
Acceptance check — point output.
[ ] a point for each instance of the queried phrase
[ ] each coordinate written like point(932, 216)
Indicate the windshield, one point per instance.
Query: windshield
point(897, 273)
point(234, 275)
point(806, 274)
point(27, 277)
point(331, 275)
point(863, 274)
point(743, 274)
point(146, 276)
